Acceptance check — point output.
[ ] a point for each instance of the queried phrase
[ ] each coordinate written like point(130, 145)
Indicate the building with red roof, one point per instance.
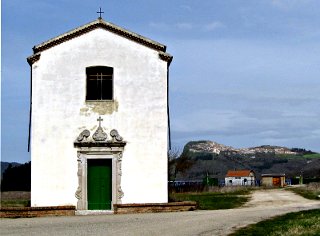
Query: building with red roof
point(240, 178)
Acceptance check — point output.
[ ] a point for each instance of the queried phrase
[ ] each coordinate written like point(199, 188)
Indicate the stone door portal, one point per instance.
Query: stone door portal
point(99, 169)
point(99, 184)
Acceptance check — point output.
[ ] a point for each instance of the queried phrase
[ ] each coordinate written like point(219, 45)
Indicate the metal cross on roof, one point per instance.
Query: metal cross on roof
point(99, 119)
point(100, 13)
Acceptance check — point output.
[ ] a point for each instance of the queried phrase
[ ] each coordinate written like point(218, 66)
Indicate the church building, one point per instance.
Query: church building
point(99, 119)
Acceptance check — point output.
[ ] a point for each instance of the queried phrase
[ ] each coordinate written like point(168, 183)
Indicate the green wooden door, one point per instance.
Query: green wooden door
point(99, 184)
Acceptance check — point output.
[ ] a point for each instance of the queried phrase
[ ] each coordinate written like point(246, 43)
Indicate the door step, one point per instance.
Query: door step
point(93, 212)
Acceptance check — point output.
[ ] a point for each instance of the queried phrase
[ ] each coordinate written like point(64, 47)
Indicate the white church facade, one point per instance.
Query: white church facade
point(99, 119)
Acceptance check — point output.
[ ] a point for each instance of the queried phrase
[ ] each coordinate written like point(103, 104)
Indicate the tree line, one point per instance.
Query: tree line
point(17, 178)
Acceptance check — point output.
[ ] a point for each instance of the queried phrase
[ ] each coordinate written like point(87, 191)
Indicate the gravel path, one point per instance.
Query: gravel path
point(264, 204)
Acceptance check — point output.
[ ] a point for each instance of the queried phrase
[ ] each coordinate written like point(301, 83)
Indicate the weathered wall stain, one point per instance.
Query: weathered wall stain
point(99, 107)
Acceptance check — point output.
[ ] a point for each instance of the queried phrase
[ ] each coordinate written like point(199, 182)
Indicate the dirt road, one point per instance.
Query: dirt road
point(264, 204)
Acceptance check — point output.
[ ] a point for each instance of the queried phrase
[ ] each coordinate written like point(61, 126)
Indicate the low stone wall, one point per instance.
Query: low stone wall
point(18, 212)
point(154, 207)
point(25, 212)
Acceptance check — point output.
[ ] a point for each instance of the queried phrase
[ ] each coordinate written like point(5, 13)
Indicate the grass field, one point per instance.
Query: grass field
point(15, 199)
point(291, 156)
point(15, 203)
point(298, 223)
point(215, 200)
point(310, 191)
point(317, 155)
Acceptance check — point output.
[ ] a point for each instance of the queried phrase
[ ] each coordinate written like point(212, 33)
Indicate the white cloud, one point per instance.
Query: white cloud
point(159, 25)
point(208, 27)
point(213, 26)
point(316, 133)
point(289, 4)
point(184, 26)
point(186, 7)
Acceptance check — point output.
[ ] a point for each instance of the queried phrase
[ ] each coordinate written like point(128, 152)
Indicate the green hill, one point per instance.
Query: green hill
point(216, 159)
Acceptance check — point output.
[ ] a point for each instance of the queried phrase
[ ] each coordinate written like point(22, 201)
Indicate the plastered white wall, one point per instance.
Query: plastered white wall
point(60, 112)
point(240, 181)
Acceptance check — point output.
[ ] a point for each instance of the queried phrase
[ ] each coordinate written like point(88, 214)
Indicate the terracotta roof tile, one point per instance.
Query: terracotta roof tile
point(238, 173)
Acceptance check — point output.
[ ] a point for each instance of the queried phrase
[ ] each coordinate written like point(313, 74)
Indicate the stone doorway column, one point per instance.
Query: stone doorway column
point(98, 147)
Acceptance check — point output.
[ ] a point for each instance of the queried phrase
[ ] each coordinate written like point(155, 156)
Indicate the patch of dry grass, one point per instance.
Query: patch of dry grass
point(310, 191)
point(220, 198)
point(15, 199)
point(292, 224)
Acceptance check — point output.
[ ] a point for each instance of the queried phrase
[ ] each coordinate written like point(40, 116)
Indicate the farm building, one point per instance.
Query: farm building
point(273, 180)
point(240, 178)
point(99, 119)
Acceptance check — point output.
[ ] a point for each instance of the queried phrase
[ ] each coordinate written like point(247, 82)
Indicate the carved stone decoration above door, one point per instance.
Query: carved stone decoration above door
point(93, 148)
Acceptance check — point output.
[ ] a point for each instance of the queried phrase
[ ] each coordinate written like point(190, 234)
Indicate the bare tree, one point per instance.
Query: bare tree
point(173, 155)
point(178, 162)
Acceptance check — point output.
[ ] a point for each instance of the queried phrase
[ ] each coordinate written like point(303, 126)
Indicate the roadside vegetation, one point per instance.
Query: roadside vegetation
point(297, 223)
point(225, 198)
point(15, 199)
point(309, 191)
point(316, 155)
point(16, 177)
point(299, 156)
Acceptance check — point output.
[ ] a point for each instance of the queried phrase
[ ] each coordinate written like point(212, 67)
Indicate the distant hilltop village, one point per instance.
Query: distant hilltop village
point(211, 158)
point(213, 147)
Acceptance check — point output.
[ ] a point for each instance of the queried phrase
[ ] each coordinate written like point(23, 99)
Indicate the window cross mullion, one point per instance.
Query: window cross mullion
point(99, 83)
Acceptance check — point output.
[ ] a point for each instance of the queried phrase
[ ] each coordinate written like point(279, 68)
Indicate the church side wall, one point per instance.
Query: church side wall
point(60, 113)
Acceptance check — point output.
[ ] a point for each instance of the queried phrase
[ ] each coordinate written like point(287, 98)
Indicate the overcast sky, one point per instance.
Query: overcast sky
point(244, 73)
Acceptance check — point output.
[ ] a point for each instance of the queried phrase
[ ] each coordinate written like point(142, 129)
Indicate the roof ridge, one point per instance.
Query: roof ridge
point(99, 23)
point(237, 173)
